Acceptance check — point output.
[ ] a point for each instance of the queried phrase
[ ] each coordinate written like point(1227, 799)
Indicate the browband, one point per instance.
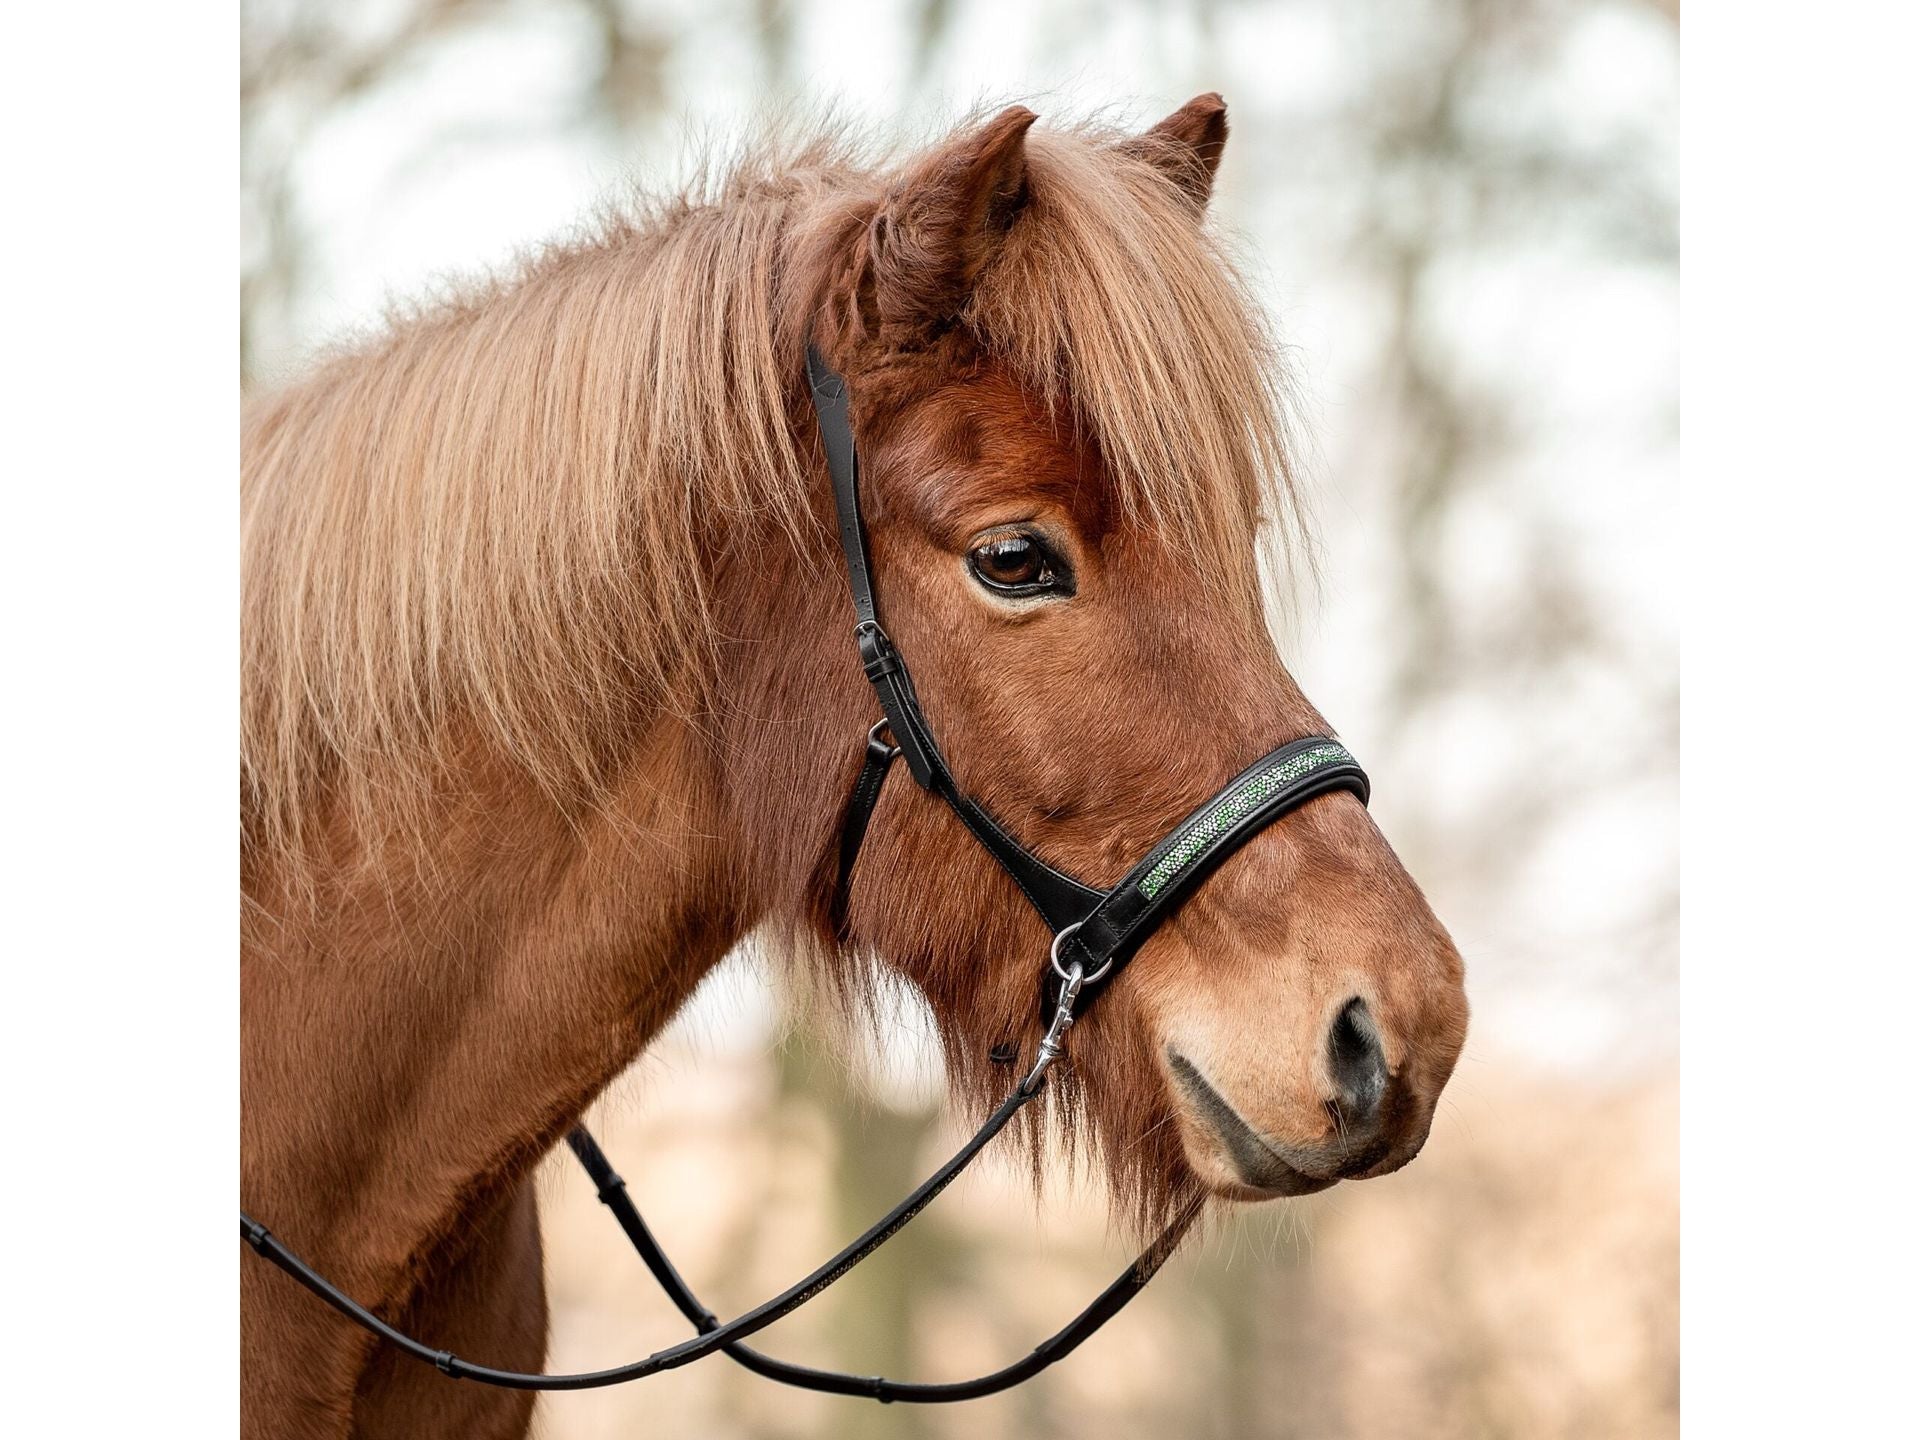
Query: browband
point(1097, 930)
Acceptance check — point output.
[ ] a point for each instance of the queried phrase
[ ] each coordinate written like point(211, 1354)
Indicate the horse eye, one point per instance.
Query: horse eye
point(1015, 565)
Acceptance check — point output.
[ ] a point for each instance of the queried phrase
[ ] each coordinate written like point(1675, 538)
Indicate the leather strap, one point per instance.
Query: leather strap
point(269, 1245)
point(830, 403)
point(612, 1191)
point(1278, 782)
point(874, 768)
point(1060, 899)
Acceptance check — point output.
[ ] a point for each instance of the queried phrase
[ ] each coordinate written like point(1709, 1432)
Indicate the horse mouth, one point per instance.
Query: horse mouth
point(1261, 1167)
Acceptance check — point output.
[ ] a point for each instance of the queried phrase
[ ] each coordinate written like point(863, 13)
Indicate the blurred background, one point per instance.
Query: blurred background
point(1462, 214)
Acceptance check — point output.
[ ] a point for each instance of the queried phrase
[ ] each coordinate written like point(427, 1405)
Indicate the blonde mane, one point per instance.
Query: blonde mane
point(481, 524)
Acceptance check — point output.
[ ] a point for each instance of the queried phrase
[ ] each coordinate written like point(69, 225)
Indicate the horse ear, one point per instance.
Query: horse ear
point(946, 219)
point(1187, 145)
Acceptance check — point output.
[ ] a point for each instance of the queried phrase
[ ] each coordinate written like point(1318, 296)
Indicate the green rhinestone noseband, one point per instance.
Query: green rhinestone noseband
point(1270, 778)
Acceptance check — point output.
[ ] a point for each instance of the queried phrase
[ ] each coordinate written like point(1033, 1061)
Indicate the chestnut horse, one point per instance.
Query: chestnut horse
point(549, 701)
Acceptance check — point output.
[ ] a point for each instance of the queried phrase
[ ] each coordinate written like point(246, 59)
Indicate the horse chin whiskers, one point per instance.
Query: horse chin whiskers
point(1240, 1160)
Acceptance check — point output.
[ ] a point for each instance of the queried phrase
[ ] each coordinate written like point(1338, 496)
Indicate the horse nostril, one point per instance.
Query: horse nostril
point(1358, 1068)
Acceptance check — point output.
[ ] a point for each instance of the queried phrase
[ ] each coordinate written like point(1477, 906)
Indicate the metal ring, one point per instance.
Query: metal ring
point(1053, 956)
point(873, 738)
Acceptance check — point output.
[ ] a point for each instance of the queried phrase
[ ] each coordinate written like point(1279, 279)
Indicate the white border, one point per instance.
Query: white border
point(1800, 247)
point(120, 250)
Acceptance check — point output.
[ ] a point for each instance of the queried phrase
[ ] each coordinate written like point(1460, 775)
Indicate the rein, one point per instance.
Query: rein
point(1095, 934)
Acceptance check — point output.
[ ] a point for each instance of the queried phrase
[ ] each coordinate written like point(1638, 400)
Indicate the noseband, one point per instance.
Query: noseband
point(1095, 933)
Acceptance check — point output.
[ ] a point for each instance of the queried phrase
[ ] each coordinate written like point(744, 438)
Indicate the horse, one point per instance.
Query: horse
point(547, 704)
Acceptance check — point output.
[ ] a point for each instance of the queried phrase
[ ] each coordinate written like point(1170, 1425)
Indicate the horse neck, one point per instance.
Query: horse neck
point(421, 1025)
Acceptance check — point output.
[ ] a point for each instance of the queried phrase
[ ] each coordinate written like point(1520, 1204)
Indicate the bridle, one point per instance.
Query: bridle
point(1095, 934)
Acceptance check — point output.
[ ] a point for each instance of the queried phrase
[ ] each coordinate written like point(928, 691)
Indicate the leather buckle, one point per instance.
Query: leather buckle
point(877, 655)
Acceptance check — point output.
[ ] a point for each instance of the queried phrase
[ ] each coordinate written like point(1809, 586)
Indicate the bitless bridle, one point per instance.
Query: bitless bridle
point(1095, 934)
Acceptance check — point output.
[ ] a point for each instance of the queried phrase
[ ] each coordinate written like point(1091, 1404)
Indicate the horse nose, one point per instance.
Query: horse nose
point(1356, 1065)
